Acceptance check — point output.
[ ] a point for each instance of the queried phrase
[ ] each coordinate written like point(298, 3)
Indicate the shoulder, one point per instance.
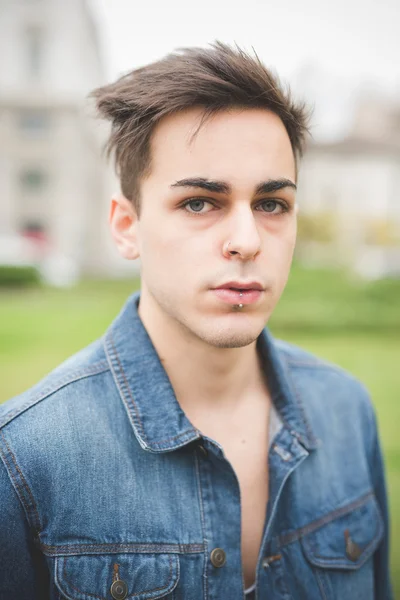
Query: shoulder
point(81, 367)
point(297, 358)
point(47, 428)
point(323, 385)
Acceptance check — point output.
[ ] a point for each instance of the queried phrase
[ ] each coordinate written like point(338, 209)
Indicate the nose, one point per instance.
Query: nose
point(243, 236)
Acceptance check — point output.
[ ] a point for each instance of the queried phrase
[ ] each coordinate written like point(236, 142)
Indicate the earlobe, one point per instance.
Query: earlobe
point(123, 222)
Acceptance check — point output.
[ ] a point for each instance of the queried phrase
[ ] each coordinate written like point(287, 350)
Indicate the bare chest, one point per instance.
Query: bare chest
point(245, 444)
point(251, 468)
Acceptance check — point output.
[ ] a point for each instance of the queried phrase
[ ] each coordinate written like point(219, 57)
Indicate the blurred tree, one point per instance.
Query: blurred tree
point(381, 232)
point(319, 227)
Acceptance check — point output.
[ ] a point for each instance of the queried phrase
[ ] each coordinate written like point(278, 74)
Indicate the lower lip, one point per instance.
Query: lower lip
point(237, 297)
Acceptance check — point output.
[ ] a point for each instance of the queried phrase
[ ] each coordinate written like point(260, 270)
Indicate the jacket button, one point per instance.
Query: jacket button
point(218, 557)
point(353, 550)
point(119, 590)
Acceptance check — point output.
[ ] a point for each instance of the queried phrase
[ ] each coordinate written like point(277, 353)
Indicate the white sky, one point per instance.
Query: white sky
point(345, 43)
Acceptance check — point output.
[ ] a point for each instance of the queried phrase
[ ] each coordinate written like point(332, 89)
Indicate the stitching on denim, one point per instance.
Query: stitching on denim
point(205, 579)
point(136, 410)
point(75, 588)
point(163, 589)
point(38, 525)
point(17, 486)
point(116, 548)
point(341, 562)
point(95, 369)
point(285, 423)
point(316, 365)
point(321, 584)
point(339, 512)
point(126, 385)
point(175, 437)
point(301, 406)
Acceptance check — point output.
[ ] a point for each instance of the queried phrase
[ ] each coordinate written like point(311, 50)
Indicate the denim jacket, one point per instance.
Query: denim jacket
point(107, 491)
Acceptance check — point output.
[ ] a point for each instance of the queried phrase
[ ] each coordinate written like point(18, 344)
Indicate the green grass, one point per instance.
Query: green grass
point(353, 324)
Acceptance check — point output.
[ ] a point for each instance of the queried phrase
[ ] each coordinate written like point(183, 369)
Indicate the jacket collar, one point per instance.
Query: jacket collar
point(158, 421)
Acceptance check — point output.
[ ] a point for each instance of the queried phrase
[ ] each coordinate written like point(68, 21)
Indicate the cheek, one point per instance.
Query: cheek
point(169, 253)
point(281, 244)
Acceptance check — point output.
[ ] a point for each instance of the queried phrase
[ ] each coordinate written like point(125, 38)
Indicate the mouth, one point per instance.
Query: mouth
point(241, 286)
point(245, 294)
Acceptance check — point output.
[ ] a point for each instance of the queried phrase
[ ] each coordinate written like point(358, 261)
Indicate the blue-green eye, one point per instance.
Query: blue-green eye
point(196, 205)
point(269, 205)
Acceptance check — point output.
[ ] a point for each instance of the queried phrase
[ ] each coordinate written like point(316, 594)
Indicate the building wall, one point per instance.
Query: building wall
point(52, 172)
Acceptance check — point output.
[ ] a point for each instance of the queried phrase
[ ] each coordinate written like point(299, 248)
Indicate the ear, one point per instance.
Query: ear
point(123, 222)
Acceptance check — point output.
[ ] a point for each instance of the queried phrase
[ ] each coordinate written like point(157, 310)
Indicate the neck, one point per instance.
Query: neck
point(204, 377)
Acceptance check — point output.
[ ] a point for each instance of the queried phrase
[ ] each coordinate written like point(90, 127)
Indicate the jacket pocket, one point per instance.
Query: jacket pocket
point(117, 576)
point(340, 552)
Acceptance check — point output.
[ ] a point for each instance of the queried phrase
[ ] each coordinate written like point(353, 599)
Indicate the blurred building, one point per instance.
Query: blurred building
point(350, 193)
point(54, 185)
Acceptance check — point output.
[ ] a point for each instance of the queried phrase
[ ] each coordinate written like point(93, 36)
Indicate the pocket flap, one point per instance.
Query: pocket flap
point(142, 576)
point(346, 542)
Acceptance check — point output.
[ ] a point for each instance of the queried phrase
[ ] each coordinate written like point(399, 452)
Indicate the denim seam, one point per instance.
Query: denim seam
point(28, 509)
point(317, 365)
point(163, 588)
point(159, 589)
point(203, 525)
point(321, 584)
point(300, 404)
point(310, 434)
point(135, 407)
point(288, 538)
point(155, 548)
point(339, 562)
point(175, 437)
point(126, 385)
point(95, 369)
point(75, 588)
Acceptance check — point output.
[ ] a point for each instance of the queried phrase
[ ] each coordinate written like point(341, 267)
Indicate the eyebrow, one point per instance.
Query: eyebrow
point(221, 187)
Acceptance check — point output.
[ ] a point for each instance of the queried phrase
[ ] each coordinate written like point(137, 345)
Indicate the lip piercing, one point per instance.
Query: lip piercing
point(239, 305)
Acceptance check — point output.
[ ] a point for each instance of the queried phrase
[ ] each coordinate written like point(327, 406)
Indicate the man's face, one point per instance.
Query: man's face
point(202, 193)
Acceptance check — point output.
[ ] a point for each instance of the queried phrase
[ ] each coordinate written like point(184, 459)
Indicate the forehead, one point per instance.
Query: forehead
point(238, 144)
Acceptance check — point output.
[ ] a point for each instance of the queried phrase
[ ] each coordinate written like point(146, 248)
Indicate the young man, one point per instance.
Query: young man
point(188, 454)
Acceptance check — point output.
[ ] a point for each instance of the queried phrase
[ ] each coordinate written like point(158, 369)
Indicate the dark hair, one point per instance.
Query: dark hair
point(214, 78)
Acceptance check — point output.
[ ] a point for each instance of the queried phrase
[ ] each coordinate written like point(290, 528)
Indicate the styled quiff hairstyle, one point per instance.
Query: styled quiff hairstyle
point(215, 78)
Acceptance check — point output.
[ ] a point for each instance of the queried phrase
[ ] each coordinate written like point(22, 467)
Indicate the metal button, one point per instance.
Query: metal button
point(119, 590)
point(218, 557)
point(270, 559)
point(353, 550)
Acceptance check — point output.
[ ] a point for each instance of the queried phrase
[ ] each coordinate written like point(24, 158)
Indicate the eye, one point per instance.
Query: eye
point(196, 205)
point(272, 206)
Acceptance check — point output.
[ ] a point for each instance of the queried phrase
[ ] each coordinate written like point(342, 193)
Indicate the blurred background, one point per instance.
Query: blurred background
point(61, 279)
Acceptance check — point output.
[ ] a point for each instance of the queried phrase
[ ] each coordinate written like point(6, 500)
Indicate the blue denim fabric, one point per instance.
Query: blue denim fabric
point(103, 478)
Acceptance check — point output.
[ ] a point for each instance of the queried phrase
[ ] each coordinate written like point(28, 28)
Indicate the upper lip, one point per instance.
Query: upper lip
point(241, 285)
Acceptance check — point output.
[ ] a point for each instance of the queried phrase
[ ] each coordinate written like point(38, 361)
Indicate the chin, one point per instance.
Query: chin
point(232, 335)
